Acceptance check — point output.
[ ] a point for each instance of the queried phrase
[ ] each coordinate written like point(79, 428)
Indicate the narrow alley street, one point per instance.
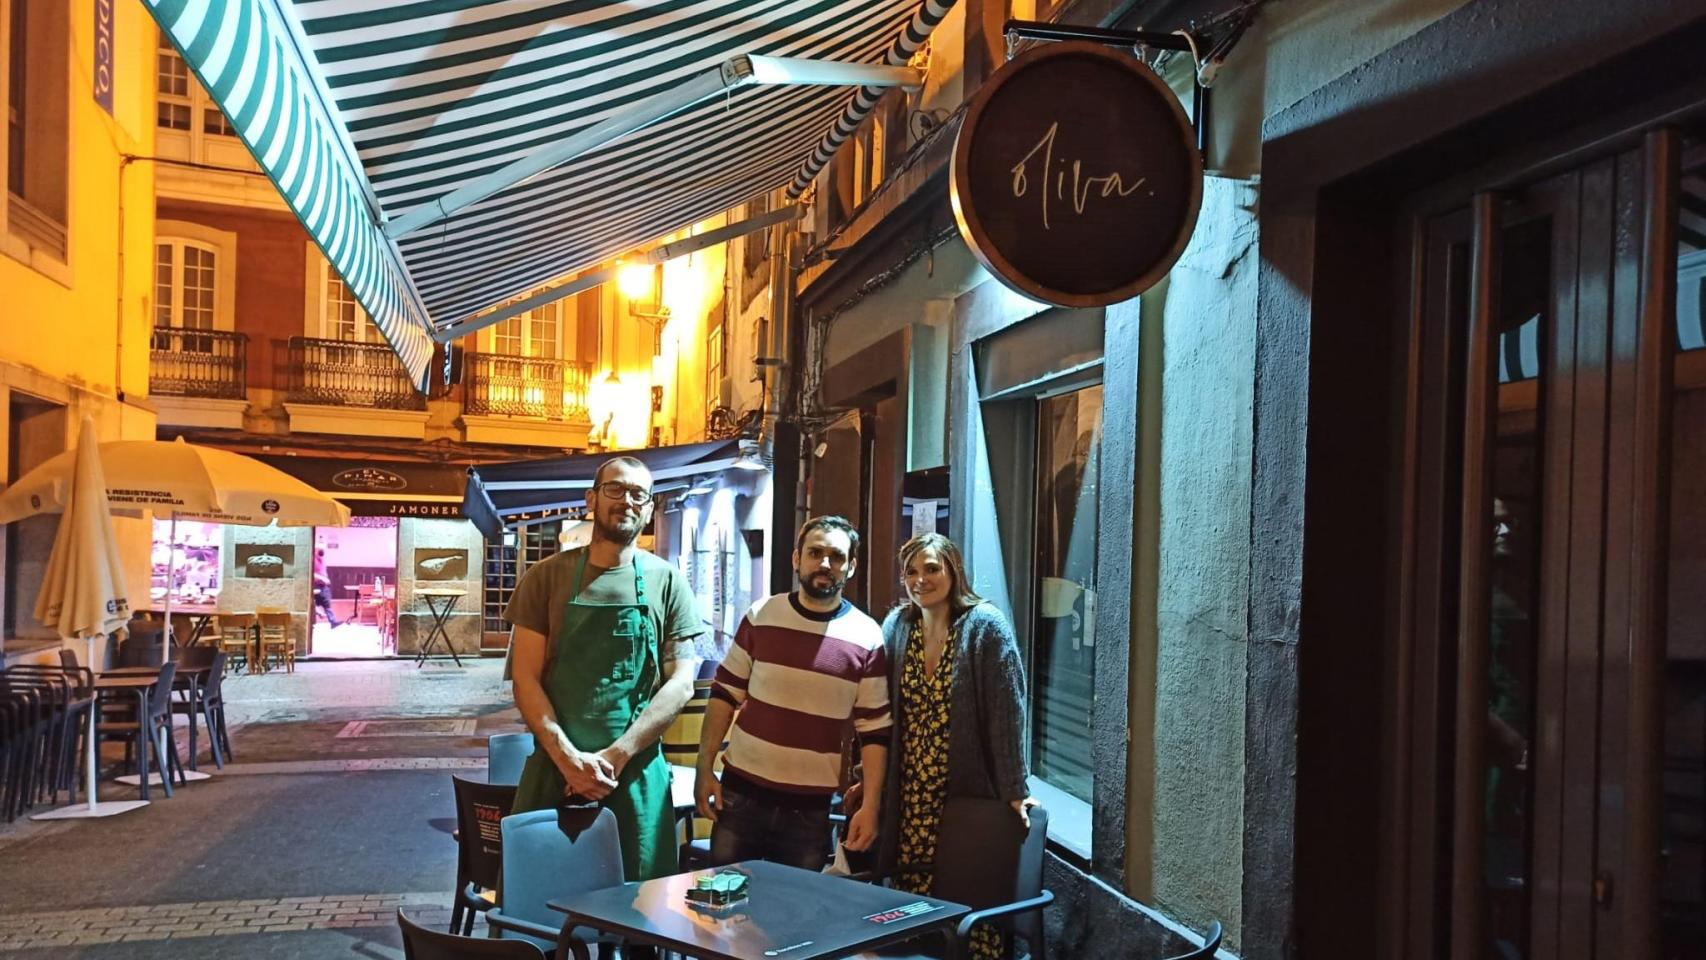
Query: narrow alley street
point(335, 810)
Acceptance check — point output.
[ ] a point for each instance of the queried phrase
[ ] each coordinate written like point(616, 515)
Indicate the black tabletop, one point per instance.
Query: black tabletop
point(789, 913)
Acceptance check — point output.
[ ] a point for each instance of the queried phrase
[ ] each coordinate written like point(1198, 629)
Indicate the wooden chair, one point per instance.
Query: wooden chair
point(236, 639)
point(277, 643)
point(366, 611)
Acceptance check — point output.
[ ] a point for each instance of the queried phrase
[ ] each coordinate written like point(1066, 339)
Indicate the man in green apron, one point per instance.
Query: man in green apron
point(603, 662)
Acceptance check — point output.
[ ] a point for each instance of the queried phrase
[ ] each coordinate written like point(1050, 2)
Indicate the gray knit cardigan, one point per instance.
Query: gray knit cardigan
point(986, 756)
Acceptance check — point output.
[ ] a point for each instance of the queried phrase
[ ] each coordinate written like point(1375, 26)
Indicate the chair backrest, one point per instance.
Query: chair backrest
point(229, 622)
point(212, 686)
point(480, 809)
point(275, 624)
point(419, 943)
point(506, 754)
point(551, 854)
point(1210, 945)
point(985, 857)
point(160, 700)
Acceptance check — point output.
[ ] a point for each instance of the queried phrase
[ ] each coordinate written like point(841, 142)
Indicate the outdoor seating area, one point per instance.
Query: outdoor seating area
point(45, 713)
point(563, 892)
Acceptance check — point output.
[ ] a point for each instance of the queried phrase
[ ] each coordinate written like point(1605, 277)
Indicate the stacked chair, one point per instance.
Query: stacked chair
point(43, 712)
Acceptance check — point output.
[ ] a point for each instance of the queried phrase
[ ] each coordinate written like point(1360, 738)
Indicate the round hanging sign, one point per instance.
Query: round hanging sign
point(1076, 178)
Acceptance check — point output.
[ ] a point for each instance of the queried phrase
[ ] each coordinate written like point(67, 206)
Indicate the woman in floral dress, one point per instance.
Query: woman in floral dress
point(957, 687)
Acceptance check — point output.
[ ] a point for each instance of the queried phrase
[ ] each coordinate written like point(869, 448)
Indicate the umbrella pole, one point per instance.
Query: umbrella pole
point(94, 708)
point(171, 574)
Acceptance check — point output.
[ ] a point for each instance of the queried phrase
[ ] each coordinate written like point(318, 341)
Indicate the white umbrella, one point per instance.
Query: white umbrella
point(83, 594)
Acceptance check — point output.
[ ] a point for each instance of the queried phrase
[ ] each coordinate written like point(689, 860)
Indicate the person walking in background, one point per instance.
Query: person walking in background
point(802, 665)
point(603, 663)
point(323, 587)
point(958, 689)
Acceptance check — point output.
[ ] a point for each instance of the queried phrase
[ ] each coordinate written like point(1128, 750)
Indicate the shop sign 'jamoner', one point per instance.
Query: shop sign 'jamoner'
point(1076, 179)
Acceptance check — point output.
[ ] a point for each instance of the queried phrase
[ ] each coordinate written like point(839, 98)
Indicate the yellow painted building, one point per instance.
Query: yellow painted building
point(76, 259)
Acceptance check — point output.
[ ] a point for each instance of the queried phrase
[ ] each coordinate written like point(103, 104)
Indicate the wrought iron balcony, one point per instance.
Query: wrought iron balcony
point(343, 373)
point(198, 363)
point(507, 386)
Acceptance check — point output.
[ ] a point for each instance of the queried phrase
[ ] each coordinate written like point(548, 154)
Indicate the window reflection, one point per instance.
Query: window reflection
point(1069, 435)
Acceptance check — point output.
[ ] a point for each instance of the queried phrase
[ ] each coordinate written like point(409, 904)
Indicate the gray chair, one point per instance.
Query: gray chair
point(1210, 945)
point(549, 855)
point(419, 943)
point(506, 754)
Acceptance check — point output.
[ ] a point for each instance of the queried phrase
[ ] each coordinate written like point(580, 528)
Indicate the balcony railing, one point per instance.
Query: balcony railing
point(507, 386)
point(341, 373)
point(198, 363)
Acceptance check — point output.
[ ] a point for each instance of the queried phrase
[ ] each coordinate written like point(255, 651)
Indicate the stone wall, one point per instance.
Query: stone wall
point(421, 540)
point(294, 591)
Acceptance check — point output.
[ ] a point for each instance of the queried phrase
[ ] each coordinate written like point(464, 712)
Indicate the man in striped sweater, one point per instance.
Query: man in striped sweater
point(802, 665)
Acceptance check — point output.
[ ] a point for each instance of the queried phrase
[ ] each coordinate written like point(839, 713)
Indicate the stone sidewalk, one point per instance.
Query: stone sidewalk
point(336, 810)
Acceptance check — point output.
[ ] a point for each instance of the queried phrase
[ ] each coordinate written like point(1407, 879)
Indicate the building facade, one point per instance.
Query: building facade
point(1408, 421)
point(76, 234)
point(259, 347)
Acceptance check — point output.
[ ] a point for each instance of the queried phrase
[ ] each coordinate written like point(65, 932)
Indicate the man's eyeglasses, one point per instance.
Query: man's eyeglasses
point(615, 489)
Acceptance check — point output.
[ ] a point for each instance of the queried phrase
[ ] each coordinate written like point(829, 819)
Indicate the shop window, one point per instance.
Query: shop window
point(506, 561)
point(35, 38)
point(1063, 618)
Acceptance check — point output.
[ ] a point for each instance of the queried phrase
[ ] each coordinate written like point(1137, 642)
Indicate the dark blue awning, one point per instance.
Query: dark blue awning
point(499, 493)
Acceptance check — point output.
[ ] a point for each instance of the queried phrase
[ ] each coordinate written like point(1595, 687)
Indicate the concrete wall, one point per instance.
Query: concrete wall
point(413, 620)
point(1207, 344)
point(293, 591)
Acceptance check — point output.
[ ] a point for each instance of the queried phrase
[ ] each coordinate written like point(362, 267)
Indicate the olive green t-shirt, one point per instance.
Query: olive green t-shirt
point(542, 596)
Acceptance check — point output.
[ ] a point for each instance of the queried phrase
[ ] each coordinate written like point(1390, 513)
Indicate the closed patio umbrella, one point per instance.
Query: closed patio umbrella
point(83, 593)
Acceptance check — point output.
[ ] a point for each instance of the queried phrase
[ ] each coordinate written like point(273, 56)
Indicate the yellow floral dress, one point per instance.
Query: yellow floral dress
point(924, 703)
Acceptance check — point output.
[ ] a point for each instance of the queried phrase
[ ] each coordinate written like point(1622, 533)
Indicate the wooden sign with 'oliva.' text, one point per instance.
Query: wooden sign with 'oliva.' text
point(1076, 179)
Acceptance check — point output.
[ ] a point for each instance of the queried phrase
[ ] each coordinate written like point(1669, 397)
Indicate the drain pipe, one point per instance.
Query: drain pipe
point(779, 442)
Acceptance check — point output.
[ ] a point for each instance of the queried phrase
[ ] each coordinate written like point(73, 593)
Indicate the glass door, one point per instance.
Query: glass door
point(1547, 727)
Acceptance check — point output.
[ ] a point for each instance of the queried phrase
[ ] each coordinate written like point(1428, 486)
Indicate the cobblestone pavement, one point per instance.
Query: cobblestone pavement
point(336, 811)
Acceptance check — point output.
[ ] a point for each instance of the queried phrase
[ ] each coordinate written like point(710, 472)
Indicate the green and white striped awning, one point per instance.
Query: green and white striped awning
point(447, 155)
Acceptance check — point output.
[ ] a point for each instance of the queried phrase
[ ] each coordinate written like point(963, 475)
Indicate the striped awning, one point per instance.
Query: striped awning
point(367, 116)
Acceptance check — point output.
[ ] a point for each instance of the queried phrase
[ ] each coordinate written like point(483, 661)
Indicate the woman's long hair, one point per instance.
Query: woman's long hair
point(960, 595)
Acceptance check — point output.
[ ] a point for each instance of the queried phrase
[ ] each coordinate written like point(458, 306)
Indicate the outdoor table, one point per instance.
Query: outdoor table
point(138, 685)
point(791, 913)
point(440, 603)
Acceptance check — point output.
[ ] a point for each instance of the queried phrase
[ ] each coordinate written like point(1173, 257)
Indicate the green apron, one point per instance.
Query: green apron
point(600, 679)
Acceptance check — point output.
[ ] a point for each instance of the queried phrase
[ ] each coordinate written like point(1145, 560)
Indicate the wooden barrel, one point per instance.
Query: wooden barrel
point(681, 744)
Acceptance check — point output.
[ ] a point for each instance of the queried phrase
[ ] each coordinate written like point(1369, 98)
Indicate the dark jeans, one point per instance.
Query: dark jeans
point(752, 827)
point(323, 600)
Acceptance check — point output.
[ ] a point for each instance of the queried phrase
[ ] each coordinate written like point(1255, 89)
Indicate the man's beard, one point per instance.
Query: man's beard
point(614, 533)
point(822, 586)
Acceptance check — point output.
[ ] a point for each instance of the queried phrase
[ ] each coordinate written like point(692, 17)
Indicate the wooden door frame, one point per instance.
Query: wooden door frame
point(1323, 869)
